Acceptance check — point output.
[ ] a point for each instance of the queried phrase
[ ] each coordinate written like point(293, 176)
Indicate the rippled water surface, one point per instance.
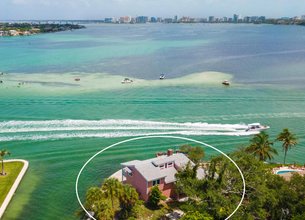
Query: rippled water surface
point(58, 131)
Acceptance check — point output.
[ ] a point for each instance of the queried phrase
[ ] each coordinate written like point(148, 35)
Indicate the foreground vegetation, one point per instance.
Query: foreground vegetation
point(121, 201)
point(12, 170)
point(267, 196)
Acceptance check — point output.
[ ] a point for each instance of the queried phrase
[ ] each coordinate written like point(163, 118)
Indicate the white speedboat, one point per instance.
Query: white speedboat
point(126, 80)
point(256, 127)
point(162, 76)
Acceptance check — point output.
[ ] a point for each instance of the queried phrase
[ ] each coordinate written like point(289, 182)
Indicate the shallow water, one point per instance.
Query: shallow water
point(57, 123)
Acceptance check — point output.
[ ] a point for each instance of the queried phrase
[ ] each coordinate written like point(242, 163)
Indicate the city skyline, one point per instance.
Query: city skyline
point(98, 9)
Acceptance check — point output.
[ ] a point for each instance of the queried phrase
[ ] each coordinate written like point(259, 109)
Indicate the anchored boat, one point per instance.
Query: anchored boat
point(126, 80)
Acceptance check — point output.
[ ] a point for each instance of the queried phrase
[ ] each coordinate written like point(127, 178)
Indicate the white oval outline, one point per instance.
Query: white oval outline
point(160, 136)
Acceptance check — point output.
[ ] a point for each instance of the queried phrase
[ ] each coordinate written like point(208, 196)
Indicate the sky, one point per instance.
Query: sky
point(98, 9)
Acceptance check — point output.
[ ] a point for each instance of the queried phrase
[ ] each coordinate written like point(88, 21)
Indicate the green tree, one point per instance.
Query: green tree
point(103, 210)
point(261, 147)
point(196, 216)
point(155, 196)
point(195, 154)
point(288, 139)
point(129, 198)
point(186, 181)
point(97, 203)
point(3, 153)
point(93, 195)
point(112, 189)
point(185, 148)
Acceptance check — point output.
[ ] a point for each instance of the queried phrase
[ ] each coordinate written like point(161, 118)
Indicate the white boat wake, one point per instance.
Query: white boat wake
point(60, 129)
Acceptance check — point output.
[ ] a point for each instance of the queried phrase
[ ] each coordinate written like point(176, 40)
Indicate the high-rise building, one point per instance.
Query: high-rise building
point(262, 19)
point(153, 20)
point(125, 19)
point(247, 19)
point(109, 20)
point(235, 18)
point(141, 19)
point(211, 19)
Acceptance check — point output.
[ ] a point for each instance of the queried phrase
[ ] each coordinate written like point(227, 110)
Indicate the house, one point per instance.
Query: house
point(161, 170)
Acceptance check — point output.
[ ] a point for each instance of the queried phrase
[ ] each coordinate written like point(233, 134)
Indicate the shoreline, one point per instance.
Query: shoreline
point(14, 187)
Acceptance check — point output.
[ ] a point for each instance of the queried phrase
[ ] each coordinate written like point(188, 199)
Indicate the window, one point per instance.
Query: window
point(156, 182)
point(162, 166)
point(127, 171)
point(170, 164)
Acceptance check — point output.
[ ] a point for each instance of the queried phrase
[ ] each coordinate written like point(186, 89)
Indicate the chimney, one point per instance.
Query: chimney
point(170, 152)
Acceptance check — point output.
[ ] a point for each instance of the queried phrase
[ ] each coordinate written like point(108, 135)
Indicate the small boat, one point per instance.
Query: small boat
point(226, 83)
point(256, 127)
point(77, 79)
point(126, 80)
point(162, 76)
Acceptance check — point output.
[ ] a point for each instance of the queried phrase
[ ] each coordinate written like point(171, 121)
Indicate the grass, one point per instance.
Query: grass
point(146, 213)
point(12, 170)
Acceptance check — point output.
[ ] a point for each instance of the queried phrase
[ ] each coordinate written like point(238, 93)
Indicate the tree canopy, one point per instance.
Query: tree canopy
point(261, 147)
point(155, 197)
point(195, 154)
point(288, 139)
point(112, 199)
point(268, 196)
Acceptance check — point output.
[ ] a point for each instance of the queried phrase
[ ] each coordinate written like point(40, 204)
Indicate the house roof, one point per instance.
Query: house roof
point(150, 169)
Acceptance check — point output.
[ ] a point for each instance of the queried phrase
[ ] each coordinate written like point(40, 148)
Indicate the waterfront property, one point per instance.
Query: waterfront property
point(161, 170)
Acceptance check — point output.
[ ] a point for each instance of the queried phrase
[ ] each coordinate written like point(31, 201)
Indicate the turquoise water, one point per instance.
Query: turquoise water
point(58, 131)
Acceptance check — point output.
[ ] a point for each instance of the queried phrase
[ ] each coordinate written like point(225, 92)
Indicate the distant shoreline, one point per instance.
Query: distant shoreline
point(27, 29)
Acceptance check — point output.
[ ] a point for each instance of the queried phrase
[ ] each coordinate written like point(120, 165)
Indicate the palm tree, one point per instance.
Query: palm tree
point(93, 195)
point(289, 140)
point(128, 199)
point(261, 147)
point(112, 189)
point(3, 153)
point(103, 210)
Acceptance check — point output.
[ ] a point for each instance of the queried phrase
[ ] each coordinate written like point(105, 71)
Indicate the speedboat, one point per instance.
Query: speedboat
point(126, 80)
point(256, 127)
point(162, 76)
point(226, 83)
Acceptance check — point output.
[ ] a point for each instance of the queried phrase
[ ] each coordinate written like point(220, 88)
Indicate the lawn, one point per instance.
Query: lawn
point(146, 213)
point(12, 170)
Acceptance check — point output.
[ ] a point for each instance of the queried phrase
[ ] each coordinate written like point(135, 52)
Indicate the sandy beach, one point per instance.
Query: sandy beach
point(84, 82)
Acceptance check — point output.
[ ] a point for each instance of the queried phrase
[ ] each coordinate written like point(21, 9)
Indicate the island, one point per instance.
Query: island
point(180, 185)
point(27, 29)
